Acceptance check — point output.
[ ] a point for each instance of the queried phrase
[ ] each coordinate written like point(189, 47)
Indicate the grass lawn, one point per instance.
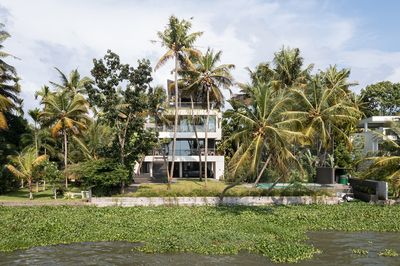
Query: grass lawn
point(276, 232)
point(23, 195)
point(192, 187)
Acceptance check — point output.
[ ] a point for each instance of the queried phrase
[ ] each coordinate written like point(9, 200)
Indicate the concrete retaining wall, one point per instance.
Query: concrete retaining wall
point(210, 201)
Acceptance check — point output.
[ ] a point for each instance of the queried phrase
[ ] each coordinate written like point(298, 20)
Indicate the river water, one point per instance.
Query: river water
point(336, 250)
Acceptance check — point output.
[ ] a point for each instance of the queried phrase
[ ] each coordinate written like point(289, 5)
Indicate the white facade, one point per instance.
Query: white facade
point(187, 157)
point(375, 128)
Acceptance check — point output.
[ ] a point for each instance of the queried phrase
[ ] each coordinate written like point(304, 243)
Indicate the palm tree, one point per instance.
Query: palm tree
point(43, 92)
point(288, 69)
point(97, 136)
point(73, 84)
point(65, 114)
point(325, 107)
point(206, 78)
point(23, 166)
point(9, 87)
point(387, 166)
point(34, 114)
point(179, 42)
point(265, 137)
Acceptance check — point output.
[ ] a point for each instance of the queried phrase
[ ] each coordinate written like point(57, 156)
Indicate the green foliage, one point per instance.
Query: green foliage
point(359, 251)
point(382, 98)
point(388, 253)
point(279, 232)
point(343, 156)
point(119, 93)
point(104, 176)
point(9, 87)
point(49, 172)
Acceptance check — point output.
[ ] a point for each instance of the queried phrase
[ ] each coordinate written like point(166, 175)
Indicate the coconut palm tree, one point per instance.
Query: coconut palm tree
point(324, 107)
point(34, 114)
point(23, 166)
point(179, 43)
point(289, 70)
point(9, 87)
point(266, 136)
point(65, 114)
point(43, 92)
point(73, 83)
point(97, 136)
point(205, 78)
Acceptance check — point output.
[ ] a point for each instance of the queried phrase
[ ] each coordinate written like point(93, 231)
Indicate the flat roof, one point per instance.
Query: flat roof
point(379, 120)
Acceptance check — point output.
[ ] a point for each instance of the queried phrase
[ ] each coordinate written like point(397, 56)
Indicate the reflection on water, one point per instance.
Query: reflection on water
point(336, 250)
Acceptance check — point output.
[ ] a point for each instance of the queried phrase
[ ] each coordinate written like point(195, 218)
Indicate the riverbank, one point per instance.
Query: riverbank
point(277, 232)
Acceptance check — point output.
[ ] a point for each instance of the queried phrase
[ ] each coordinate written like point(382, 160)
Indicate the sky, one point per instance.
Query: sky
point(358, 34)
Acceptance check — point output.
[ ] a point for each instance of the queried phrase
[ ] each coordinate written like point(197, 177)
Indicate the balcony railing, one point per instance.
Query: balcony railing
point(187, 152)
point(185, 128)
point(196, 105)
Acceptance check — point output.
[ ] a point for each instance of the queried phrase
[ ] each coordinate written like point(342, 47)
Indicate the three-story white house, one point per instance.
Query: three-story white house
point(187, 149)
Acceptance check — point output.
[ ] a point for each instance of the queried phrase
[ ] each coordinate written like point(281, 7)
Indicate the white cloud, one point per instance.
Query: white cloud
point(69, 34)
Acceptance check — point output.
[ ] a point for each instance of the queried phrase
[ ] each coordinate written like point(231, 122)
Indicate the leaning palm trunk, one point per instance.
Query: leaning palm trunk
point(175, 124)
point(197, 140)
point(273, 185)
point(262, 170)
point(206, 137)
point(65, 157)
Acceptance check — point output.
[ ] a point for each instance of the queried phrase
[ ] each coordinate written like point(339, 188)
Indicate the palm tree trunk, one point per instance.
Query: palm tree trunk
point(30, 189)
point(206, 138)
point(65, 157)
point(262, 170)
point(36, 141)
point(197, 139)
point(273, 185)
point(176, 121)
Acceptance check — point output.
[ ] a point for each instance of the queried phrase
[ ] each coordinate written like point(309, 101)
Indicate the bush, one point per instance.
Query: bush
point(104, 176)
point(8, 182)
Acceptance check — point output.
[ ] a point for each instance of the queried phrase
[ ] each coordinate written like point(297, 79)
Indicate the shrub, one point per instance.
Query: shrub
point(104, 176)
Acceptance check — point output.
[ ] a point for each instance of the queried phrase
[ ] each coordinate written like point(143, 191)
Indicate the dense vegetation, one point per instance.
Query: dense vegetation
point(223, 230)
point(286, 121)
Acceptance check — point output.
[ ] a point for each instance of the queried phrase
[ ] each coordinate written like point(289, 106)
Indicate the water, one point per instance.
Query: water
point(336, 246)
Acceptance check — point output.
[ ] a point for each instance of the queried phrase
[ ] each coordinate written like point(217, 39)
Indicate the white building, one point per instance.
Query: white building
point(187, 147)
point(375, 128)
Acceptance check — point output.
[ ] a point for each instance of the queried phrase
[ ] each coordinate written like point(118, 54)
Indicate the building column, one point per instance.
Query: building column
point(219, 169)
point(180, 169)
point(151, 169)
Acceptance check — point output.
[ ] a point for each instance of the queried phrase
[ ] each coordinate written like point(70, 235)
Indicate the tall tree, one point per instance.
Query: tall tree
point(35, 115)
point(179, 43)
point(382, 98)
point(23, 166)
point(206, 78)
point(66, 114)
point(120, 94)
point(265, 136)
point(289, 70)
point(325, 108)
point(9, 87)
point(73, 83)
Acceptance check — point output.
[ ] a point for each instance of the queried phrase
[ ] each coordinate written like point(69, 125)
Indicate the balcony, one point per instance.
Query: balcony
point(187, 152)
point(196, 105)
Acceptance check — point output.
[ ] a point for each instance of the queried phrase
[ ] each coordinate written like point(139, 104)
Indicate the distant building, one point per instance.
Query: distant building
point(375, 128)
point(187, 147)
